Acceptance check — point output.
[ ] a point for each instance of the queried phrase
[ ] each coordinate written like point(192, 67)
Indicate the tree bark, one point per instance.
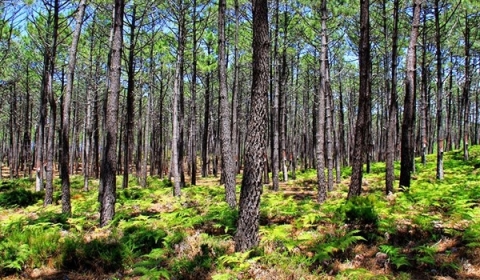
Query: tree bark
point(274, 112)
point(320, 114)
point(406, 164)
point(236, 89)
point(364, 103)
point(27, 128)
point(129, 121)
point(255, 145)
point(109, 161)
point(424, 109)
point(177, 155)
point(329, 131)
point(466, 90)
point(228, 171)
point(206, 130)
point(52, 49)
point(393, 108)
point(193, 108)
point(65, 156)
point(440, 126)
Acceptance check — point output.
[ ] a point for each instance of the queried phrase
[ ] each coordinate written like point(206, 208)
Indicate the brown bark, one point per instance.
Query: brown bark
point(320, 114)
point(228, 164)
point(65, 156)
point(329, 131)
point(466, 90)
point(255, 145)
point(193, 107)
point(406, 164)
point(393, 108)
point(364, 103)
point(439, 84)
point(129, 121)
point(109, 161)
point(177, 150)
point(52, 50)
point(236, 89)
point(274, 112)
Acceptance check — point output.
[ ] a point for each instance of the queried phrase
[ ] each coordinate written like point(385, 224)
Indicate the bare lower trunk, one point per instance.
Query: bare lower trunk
point(406, 164)
point(249, 213)
point(392, 121)
point(108, 173)
point(364, 103)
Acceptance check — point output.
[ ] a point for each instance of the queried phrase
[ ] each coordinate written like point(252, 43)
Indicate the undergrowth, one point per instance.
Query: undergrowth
point(431, 229)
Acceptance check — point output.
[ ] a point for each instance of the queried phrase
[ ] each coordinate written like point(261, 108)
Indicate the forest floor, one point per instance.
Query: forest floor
point(431, 231)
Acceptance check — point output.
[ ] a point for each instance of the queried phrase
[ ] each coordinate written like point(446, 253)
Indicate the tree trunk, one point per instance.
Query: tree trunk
point(236, 90)
point(193, 109)
point(392, 121)
point(129, 121)
point(282, 112)
point(424, 104)
point(228, 171)
point(65, 156)
point(364, 103)
point(440, 126)
point(255, 145)
point(27, 128)
point(329, 132)
point(320, 112)
point(52, 113)
point(177, 114)
point(109, 161)
point(406, 164)
point(206, 130)
point(466, 90)
point(275, 103)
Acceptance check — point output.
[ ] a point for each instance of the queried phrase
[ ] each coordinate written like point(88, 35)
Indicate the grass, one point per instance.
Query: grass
point(430, 230)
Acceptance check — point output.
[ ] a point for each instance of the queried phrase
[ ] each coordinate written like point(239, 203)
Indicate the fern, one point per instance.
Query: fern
point(395, 255)
point(149, 267)
point(239, 261)
point(325, 250)
point(13, 256)
point(223, 276)
point(311, 219)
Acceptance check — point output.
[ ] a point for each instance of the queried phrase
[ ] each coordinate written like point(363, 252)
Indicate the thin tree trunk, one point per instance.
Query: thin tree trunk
point(440, 126)
point(275, 103)
point(282, 112)
point(52, 112)
point(206, 127)
point(320, 112)
point(236, 89)
point(177, 155)
point(466, 90)
point(27, 128)
point(193, 126)
point(424, 105)
point(392, 121)
point(341, 126)
point(406, 164)
point(329, 131)
point(129, 121)
point(109, 161)
point(228, 171)
point(65, 156)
